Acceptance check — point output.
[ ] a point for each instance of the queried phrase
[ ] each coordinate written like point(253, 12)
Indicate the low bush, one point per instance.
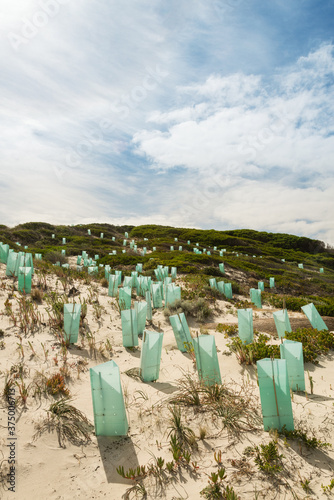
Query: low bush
point(197, 308)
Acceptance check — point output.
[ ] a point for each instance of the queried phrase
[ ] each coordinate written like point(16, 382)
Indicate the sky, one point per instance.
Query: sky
point(212, 114)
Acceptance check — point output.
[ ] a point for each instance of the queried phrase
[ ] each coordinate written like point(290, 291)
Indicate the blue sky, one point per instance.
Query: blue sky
point(204, 113)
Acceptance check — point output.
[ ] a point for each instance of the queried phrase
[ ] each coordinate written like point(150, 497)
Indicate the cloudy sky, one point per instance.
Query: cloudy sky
point(198, 113)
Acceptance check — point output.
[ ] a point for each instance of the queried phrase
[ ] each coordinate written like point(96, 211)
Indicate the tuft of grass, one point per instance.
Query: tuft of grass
point(37, 295)
point(236, 408)
point(184, 435)
point(69, 423)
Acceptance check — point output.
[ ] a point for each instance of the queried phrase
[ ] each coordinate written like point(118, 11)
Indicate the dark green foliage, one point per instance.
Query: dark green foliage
point(324, 305)
point(54, 257)
point(250, 353)
point(266, 457)
point(197, 308)
point(301, 436)
point(314, 342)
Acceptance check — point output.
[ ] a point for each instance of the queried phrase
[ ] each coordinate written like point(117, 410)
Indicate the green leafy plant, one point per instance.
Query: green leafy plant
point(250, 353)
point(56, 385)
point(301, 436)
point(328, 488)
point(266, 457)
point(228, 330)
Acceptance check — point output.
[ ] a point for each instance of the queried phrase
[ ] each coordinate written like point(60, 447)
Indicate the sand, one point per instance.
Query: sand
point(44, 470)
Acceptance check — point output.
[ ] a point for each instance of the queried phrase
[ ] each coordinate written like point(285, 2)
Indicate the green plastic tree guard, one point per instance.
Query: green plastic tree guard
point(175, 239)
point(275, 394)
point(64, 241)
point(159, 274)
point(301, 266)
point(129, 327)
point(181, 331)
point(214, 249)
point(207, 359)
point(154, 249)
point(4, 251)
point(321, 270)
point(124, 243)
point(255, 296)
point(63, 252)
point(113, 286)
point(222, 267)
point(271, 282)
point(180, 248)
point(124, 298)
point(139, 267)
point(150, 356)
point(165, 271)
point(24, 279)
point(283, 260)
point(245, 325)
point(282, 322)
point(53, 236)
point(149, 305)
point(188, 242)
point(127, 281)
point(172, 248)
point(11, 263)
point(79, 268)
point(92, 270)
point(292, 352)
point(173, 273)
point(314, 317)
point(88, 231)
point(141, 314)
point(65, 266)
point(72, 322)
point(221, 286)
point(228, 290)
point(213, 284)
point(119, 276)
point(260, 285)
point(20, 262)
point(126, 234)
point(101, 236)
point(134, 275)
point(156, 295)
point(108, 403)
point(79, 260)
point(113, 238)
point(96, 257)
point(172, 294)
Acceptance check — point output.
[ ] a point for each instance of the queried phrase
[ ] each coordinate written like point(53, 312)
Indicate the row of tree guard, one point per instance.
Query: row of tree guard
point(276, 377)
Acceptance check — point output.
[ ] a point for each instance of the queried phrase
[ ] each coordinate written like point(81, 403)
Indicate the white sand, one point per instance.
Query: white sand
point(46, 471)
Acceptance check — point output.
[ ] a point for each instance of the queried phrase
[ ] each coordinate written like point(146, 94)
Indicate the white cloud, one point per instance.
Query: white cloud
point(183, 87)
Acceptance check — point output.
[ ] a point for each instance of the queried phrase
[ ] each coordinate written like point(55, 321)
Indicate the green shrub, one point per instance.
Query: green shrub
point(314, 342)
point(197, 308)
point(54, 257)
